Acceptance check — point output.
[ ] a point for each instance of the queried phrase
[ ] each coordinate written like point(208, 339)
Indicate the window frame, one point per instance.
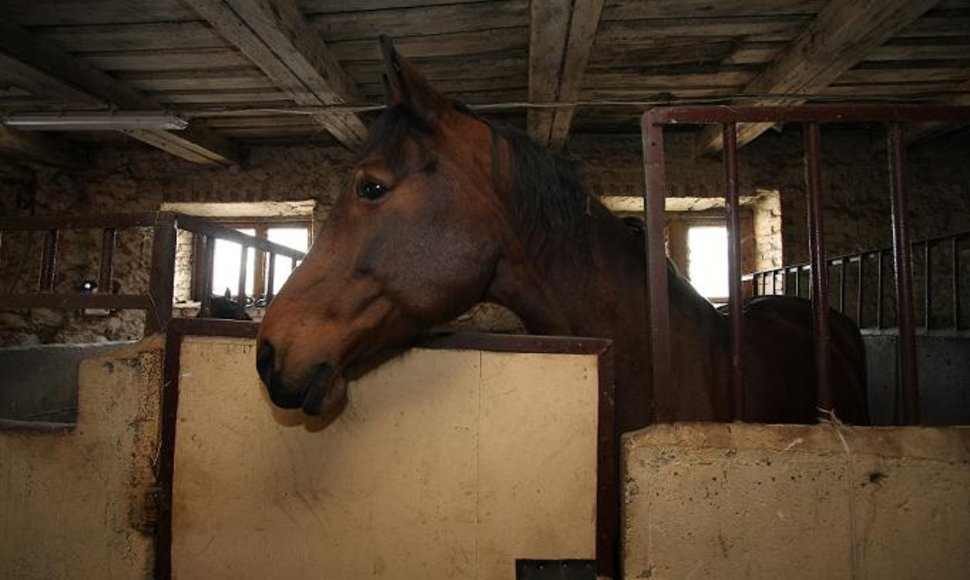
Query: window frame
point(261, 225)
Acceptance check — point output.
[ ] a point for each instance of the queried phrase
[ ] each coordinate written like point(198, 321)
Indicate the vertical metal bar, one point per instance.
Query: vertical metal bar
point(208, 263)
point(879, 290)
point(270, 277)
point(819, 279)
point(859, 308)
point(735, 298)
point(955, 280)
point(161, 283)
point(106, 272)
point(48, 262)
point(904, 276)
point(927, 287)
point(756, 279)
point(658, 313)
point(243, 263)
point(842, 284)
point(798, 281)
point(774, 282)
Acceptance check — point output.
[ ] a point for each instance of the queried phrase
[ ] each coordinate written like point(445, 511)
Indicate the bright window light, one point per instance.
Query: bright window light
point(707, 260)
point(295, 238)
point(225, 266)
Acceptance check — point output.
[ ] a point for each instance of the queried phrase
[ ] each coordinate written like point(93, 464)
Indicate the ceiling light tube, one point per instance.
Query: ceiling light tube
point(95, 121)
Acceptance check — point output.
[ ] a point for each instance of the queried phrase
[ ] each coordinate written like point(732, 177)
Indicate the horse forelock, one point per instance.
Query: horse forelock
point(390, 134)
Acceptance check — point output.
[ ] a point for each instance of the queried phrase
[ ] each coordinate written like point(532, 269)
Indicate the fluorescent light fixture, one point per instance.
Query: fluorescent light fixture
point(95, 121)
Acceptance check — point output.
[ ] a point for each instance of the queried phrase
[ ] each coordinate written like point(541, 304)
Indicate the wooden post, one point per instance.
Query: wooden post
point(161, 290)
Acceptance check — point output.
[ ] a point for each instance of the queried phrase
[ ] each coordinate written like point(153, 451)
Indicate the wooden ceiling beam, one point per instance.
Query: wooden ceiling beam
point(63, 69)
point(560, 41)
point(279, 40)
point(921, 132)
point(840, 37)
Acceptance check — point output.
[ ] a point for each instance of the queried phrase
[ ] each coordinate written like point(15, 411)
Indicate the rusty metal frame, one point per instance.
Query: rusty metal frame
point(658, 316)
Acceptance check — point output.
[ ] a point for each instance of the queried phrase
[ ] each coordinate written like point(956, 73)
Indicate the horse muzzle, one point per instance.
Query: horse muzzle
point(319, 393)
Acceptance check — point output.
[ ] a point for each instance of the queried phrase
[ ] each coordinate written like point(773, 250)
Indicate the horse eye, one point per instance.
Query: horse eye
point(371, 190)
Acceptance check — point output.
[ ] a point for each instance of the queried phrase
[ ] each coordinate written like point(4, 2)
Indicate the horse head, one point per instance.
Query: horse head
point(421, 233)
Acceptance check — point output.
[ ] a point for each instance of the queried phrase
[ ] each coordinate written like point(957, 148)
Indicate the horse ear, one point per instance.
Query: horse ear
point(228, 294)
point(404, 85)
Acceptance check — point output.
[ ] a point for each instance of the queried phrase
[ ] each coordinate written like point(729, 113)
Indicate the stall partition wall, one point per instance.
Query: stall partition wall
point(445, 464)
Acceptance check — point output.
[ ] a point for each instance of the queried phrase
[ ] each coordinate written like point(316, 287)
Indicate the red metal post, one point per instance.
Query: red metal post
point(658, 314)
point(927, 286)
point(735, 298)
point(955, 281)
point(904, 277)
point(819, 278)
point(860, 321)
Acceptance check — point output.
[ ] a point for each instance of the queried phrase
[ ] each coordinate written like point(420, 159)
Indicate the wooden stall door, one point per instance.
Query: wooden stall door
point(445, 464)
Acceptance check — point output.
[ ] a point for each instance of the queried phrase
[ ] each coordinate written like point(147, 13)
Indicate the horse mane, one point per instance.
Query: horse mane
point(551, 203)
point(550, 200)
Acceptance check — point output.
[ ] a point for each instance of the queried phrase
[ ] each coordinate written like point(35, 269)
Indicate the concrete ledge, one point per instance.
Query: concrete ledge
point(794, 501)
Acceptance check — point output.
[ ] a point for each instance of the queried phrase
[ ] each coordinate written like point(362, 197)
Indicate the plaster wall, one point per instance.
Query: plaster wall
point(787, 501)
point(73, 500)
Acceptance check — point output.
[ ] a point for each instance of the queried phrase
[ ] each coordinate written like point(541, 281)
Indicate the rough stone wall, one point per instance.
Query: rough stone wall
point(127, 180)
point(140, 179)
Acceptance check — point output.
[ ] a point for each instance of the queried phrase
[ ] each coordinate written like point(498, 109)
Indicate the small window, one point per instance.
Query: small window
point(707, 261)
point(227, 256)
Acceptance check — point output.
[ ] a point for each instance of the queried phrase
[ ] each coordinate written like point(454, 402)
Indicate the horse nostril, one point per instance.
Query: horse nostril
point(265, 361)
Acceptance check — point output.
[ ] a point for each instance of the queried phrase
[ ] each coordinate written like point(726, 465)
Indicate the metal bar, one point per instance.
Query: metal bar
point(798, 281)
point(243, 270)
point(270, 277)
point(48, 262)
point(955, 281)
point(819, 277)
point(658, 314)
point(904, 278)
point(729, 132)
point(77, 222)
point(200, 226)
point(859, 308)
point(842, 286)
point(756, 281)
point(106, 271)
point(208, 265)
point(161, 282)
point(774, 282)
point(61, 301)
point(805, 114)
point(927, 288)
point(879, 290)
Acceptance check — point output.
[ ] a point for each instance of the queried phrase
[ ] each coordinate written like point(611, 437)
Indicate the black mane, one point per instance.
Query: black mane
point(550, 201)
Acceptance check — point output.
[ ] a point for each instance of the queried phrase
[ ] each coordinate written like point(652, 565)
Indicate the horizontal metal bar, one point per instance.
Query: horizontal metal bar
point(56, 301)
point(201, 226)
point(77, 222)
point(706, 114)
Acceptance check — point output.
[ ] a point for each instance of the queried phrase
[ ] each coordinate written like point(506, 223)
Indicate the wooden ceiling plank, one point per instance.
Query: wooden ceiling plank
point(549, 31)
point(416, 20)
point(840, 37)
point(276, 37)
point(582, 31)
point(74, 13)
point(437, 45)
point(52, 60)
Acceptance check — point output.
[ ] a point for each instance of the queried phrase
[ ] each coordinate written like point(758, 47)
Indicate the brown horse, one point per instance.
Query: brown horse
point(445, 210)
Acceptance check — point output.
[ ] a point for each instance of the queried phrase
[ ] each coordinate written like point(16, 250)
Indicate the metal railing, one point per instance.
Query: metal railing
point(865, 301)
point(811, 116)
point(158, 300)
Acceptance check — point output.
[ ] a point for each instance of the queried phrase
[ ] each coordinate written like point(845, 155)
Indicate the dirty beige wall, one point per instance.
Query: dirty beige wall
point(72, 502)
point(783, 501)
point(445, 464)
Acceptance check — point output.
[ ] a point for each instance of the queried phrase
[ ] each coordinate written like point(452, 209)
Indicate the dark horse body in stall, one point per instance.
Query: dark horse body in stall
point(446, 210)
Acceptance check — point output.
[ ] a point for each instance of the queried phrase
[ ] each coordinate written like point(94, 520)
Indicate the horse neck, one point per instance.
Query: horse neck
point(599, 291)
